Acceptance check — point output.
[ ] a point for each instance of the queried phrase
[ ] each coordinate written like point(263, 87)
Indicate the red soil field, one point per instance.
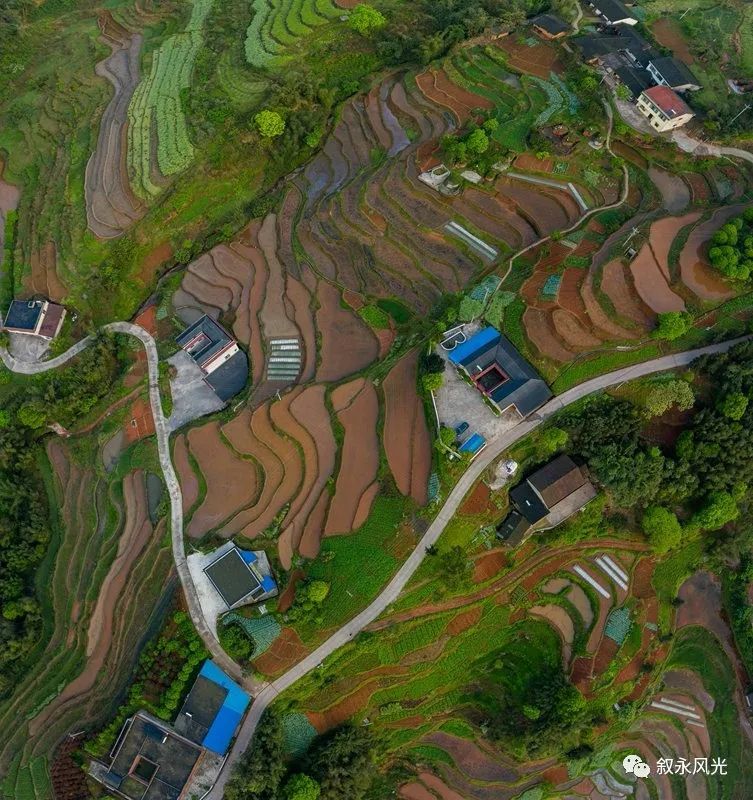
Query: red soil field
point(699, 188)
point(605, 655)
point(309, 410)
point(597, 632)
point(68, 779)
point(540, 60)
point(148, 319)
point(538, 331)
point(300, 297)
point(416, 791)
point(406, 436)
point(617, 287)
point(364, 505)
point(136, 532)
point(139, 423)
point(359, 459)
point(441, 789)
point(464, 621)
point(189, 483)
point(696, 271)
point(651, 285)
point(488, 565)
point(477, 501)
point(230, 480)
point(153, 260)
point(568, 296)
point(525, 162)
point(286, 650)
point(663, 233)
point(338, 325)
point(441, 90)
point(598, 315)
point(572, 332)
point(314, 528)
point(287, 597)
point(668, 34)
point(471, 759)
point(274, 317)
point(44, 278)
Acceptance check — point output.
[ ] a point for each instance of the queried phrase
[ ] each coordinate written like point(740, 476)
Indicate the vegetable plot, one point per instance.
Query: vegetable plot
point(155, 107)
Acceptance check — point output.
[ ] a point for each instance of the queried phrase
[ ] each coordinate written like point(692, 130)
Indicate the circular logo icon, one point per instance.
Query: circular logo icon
point(629, 763)
point(641, 770)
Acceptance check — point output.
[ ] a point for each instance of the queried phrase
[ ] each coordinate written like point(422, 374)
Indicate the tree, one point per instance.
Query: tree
point(5, 418)
point(446, 436)
point(477, 142)
point(235, 641)
point(672, 324)
point(470, 308)
point(301, 787)
point(734, 405)
point(260, 772)
point(432, 381)
point(623, 93)
point(662, 528)
point(720, 509)
point(317, 591)
point(366, 19)
point(32, 414)
point(454, 565)
point(431, 363)
point(666, 394)
point(344, 763)
point(269, 123)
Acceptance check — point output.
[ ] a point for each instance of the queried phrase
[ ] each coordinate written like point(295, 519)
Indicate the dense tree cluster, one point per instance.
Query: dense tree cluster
point(710, 467)
point(29, 406)
point(731, 250)
point(341, 763)
point(433, 26)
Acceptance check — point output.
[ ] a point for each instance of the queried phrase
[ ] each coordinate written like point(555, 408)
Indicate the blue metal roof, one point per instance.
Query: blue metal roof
point(223, 728)
point(479, 341)
point(248, 556)
point(268, 583)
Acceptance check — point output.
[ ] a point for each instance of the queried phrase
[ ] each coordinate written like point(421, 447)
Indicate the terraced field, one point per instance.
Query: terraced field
point(107, 571)
point(277, 25)
point(156, 122)
point(589, 292)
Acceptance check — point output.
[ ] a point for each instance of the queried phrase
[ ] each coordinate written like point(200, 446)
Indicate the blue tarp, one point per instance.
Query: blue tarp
point(248, 556)
point(223, 728)
point(479, 341)
point(472, 444)
point(268, 583)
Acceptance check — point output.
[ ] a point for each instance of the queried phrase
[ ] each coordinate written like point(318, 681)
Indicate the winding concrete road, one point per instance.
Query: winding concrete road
point(264, 695)
point(171, 480)
point(393, 589)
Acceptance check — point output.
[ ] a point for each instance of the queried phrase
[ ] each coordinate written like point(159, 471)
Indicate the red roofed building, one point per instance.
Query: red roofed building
point(664, 108)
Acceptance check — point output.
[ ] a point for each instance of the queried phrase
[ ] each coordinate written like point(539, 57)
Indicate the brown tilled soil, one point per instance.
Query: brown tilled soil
point(617, 287)
point(572, 332)
point(582, 604)
point(696, 271)
point(287, 597)
point(604, 655)
point(359, 460)
point(699, 188)
point(286, 650)
point(562, 623)
point(463, 621)
point(539, 60)
point(134, 537)
point(189, 483)
point(406, 436)
point(663, 233)
point(471, 759)
point(477, 501)
point(337, 326)
point(667, 32)
point(230, 480)
point(441, 90)
point(274, 317)
point(139, 422)
point(441, 789)
point(44, 277)
point(314, 527)
point(651, 285)
point(251, 434)
point(300, 297)
point(416, 791)
point(153, 260)
point(538, 331)
point(111, 206)
point(364, 505)
point(309, 410)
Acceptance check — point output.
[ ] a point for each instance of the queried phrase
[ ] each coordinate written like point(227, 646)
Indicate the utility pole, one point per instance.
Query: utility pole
point(687, 11)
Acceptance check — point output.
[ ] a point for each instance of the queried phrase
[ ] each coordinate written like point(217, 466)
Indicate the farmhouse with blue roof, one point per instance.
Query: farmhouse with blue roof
point(500, 372)
point(240, 576)
point(152, 760)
